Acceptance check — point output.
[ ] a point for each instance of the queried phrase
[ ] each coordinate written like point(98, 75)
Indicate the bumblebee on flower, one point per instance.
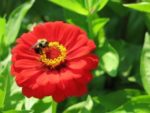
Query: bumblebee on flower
point(55, 60)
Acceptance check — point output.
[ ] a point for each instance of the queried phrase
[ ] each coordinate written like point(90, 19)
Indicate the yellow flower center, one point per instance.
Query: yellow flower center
point(54, 55)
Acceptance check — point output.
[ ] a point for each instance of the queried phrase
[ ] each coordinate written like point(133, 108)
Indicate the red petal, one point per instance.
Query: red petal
point(26, 75)
point(88, 62)
point(37, 92)
point(27, 64)
point(92, 61)
point(78, 53)
point(82, 89)
point(77, 64)
point(82, 51)
point(81, 41)
point(80, 81)
point(40, 31)
point(85, 79)
point(23, 52)
point(59, 94)
point(29, 39)
point(57, 31)
point(68, 81)
point(48, 80)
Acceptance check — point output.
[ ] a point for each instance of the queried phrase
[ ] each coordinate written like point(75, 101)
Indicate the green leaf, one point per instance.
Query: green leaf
point(114, 99)
point(29, 103)
point(116, 7)
point(15, 111)
point(82, 107)
point(147, 21)
point(14, 22)
point(146, 0)
point(140, 104)
point(6, 81)
point(2, 28)
point(109, 59)
point(145, 64)
point(142, 6)
point(3, 49)
point(98, 24)
point(102, 4)
point(41, 106)
point(127, 60)
point(1, 98)
point(7, 86)
point(76, 19)
point(135, 28)
point(73, 5)
point(95, 5)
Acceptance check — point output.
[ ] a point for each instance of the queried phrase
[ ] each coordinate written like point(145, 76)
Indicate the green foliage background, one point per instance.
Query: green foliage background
point(120, 29)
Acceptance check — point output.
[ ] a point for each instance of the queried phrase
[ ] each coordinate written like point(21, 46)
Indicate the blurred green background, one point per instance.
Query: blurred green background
point(120, 29)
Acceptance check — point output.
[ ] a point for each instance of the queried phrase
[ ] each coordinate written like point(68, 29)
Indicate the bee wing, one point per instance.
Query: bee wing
point(35, 45)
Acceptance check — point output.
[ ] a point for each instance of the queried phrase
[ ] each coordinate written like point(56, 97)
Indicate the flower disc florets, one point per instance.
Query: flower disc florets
point(53, 62)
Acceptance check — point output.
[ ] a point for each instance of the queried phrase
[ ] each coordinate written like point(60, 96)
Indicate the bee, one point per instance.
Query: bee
point(39, 45)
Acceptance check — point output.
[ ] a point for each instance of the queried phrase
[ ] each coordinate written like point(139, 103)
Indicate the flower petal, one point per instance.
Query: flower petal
point(29, 39)
point(68, 81)
point(82, 51)
point(27, 75)
point(27, 64)
point(88, 62)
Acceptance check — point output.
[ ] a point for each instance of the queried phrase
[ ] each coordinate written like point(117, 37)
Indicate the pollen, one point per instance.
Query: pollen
point(52, 48)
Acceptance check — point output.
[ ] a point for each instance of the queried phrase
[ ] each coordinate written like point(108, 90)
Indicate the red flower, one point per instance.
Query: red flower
point(55, 60)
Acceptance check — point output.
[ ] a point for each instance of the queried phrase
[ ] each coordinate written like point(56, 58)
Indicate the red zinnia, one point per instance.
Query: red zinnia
point(60, 68)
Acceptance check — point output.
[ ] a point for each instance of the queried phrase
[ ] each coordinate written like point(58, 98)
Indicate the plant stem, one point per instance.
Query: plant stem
point(89, 21)
point(54, 107)
point(90, 26)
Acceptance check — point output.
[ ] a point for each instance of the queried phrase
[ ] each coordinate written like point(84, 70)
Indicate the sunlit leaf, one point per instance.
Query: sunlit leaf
point(7, 86)
point(1, 98)
point(142, 6)
point(102, 4)
point(15, 20)
point(5, 75)
point(98, 24)
point(145, 64)
point(15, 111)
point(3, 52)
point(2, 28)
point(109, 59)
point(29, 102)
point(95, 5)
point(73, 5)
